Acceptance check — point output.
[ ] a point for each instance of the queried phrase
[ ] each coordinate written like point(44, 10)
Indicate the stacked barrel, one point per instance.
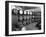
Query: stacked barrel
point(26, 17)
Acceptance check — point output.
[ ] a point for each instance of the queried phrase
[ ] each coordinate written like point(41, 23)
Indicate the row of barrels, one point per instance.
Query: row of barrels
point(25, 12)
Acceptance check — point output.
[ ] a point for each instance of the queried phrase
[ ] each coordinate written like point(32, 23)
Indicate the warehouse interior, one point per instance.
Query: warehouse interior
point(26, 18)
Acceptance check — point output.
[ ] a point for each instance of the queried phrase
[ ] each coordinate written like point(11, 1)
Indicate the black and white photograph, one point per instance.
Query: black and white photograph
point(24, 18)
